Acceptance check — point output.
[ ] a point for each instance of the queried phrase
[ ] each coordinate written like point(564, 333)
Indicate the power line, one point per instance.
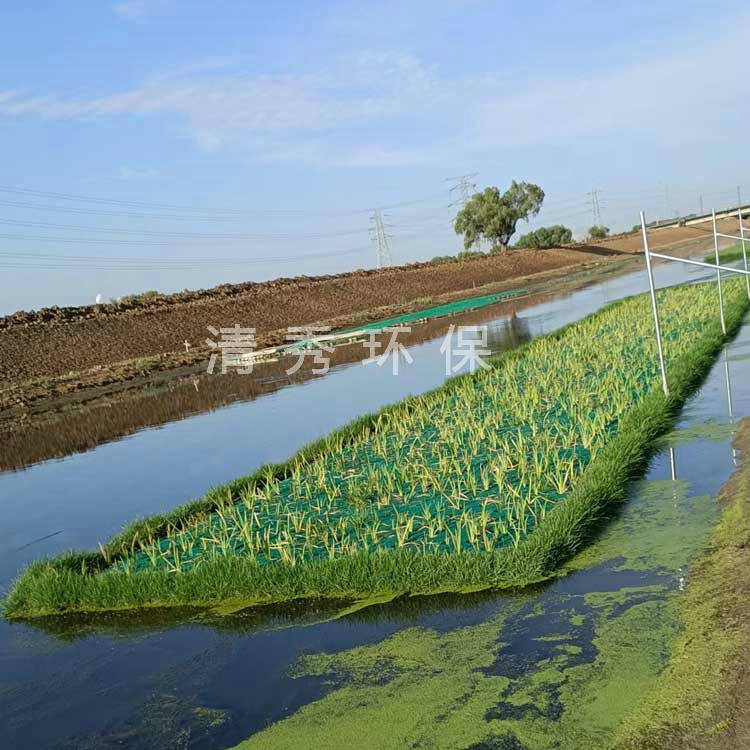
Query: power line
point(180, 235)
point(74, 197)
point(209, 212)
point(95, 262)
point(127, 214)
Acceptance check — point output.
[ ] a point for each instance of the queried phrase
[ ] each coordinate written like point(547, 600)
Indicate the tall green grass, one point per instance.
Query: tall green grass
point(729, 255)
point(542, 453)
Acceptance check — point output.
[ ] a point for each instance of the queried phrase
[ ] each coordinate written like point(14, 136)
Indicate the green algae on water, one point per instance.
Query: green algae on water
point(422, 688)
point(700, 697)
point(656, 529)
point(710, 430)
point(551, 669)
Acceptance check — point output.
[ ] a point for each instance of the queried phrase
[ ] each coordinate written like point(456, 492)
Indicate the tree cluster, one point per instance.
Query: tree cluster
point(493, 216)
point(544, 237)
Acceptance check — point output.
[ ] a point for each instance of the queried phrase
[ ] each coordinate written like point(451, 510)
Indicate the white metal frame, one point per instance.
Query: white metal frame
point(719, 268)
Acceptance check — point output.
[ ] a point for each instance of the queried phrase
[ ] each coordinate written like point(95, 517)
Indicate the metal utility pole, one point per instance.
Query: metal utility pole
point(380, 238)
point(718, 272)
point(654, 306)
point(461, 190)
point(595, 204)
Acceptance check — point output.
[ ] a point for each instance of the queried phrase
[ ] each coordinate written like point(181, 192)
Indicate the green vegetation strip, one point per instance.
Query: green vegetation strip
point(730, 255)
point(491, 480)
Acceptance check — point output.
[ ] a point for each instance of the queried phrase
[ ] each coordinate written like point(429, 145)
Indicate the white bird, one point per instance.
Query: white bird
point(99, 299)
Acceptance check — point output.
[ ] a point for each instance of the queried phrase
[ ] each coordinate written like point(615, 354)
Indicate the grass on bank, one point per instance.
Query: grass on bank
point(556, 430)
point(730, 255)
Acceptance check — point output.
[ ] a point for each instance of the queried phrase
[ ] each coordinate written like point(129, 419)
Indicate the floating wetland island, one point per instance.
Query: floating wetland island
point(491, 480)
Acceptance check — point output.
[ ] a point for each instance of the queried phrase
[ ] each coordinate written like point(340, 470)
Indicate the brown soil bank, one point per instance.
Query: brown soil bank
point(55, 341)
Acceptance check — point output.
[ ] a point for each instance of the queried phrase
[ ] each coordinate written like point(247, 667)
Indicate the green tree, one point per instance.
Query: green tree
point(491, 216)
point(598, 232)
point(553, 236)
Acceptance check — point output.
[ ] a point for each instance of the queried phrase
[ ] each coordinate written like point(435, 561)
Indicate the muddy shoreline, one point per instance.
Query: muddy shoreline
point(79, 339)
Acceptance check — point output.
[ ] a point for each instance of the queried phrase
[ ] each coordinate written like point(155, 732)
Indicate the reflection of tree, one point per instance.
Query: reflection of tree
point(508, 333)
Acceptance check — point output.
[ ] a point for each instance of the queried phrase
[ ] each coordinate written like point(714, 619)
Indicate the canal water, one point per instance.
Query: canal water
point(529, 665)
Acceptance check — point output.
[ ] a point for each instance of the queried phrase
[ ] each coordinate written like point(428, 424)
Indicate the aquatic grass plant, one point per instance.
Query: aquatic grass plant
point(489, 480)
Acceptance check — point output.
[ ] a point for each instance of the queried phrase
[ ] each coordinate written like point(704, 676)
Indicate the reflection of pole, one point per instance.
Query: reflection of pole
point(673, 462)
point(744, 251)
point(729, 384)
point(729, 401)
point(657, 325)
point(718, 273)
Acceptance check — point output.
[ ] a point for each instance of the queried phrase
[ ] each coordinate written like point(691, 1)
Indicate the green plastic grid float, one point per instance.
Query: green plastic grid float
point(441, 311)
point(351, 335)
point(355, 333)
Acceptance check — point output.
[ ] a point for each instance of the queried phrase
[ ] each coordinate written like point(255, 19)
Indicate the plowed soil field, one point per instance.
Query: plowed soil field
point(60, 342)
point(54, 342)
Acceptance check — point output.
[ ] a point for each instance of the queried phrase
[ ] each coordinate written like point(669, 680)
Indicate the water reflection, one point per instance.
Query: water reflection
point(168, 399)
point(145, 680)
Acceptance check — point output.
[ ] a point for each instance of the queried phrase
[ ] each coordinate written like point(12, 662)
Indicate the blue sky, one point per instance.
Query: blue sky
point(212, 134)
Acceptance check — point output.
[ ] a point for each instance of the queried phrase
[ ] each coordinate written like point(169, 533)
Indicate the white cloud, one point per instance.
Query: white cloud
point(394, 109)
point(226, 106)
point(138, 10)
point(131, 173)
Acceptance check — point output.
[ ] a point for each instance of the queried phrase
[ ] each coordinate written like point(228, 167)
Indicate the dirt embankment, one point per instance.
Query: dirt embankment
point(54, 352)
point(56, 341)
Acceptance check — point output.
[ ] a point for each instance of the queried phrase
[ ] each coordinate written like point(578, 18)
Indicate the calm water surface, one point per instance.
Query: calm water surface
point(149, 681)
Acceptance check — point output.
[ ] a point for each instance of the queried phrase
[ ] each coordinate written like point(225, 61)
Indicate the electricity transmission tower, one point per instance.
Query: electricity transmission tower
point(461, 189)
point(595, 203)
point(460, 192)
point(380, 238)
